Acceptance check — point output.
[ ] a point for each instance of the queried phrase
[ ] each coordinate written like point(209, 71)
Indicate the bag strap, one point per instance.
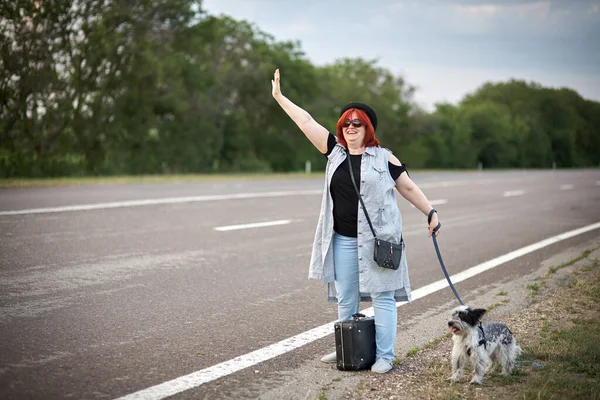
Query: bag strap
point(358, 193)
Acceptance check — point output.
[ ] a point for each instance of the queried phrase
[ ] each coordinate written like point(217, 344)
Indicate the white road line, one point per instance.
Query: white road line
point(168, 200)
point(217, 371)
point(512, 193)
point(566, 187)
point(254, 225)
point(443, 184)
point(435, 202)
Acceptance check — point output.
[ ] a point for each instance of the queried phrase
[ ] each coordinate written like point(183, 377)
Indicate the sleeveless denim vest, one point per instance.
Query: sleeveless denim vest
point(377, 190)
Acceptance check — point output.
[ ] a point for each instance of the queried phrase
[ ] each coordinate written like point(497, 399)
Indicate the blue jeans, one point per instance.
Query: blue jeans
point(345, 259)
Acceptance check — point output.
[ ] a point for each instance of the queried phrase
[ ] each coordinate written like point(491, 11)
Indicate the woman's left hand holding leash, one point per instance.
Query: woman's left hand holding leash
point(433, 223)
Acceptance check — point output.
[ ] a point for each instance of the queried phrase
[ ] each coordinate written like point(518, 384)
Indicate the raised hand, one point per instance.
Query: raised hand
point(317, 135)
point(275, 82)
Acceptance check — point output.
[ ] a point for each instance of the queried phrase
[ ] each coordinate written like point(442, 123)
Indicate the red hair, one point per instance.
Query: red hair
point(370, 139)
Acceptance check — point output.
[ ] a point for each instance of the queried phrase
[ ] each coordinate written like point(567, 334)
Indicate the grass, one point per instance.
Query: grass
point(591, 266)
point(159, 178)
point(326, 387)
point(583, 255)
point(412, 352)
point(535, 288)
point(496, 305)
point(429, 345)
point(102, 180)
point(568, 344)
point(545, 329)
point(434, 342)
point(571, 360)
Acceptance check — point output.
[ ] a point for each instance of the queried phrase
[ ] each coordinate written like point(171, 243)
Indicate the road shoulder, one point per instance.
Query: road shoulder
point(423, 343)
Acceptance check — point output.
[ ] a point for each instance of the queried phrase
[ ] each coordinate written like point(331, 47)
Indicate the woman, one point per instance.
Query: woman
point(342, 254)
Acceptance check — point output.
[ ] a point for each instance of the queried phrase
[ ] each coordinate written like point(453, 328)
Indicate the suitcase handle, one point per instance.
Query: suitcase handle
point(358, 316)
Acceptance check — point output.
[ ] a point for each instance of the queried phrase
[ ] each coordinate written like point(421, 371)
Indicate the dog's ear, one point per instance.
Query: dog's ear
point(472, 317)
point(478, 314)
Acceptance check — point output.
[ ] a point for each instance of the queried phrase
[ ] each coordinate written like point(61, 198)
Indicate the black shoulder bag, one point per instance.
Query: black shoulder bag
point(386, 254)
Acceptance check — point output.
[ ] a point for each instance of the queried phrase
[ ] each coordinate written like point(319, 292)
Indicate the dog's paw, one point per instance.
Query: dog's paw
point(475, 381)
point(454, 379)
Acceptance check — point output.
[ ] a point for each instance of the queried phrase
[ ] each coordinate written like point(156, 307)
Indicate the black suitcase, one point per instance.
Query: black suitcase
point(355, 343)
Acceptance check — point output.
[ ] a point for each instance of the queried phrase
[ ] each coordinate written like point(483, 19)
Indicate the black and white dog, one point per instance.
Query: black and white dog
point(484, 345)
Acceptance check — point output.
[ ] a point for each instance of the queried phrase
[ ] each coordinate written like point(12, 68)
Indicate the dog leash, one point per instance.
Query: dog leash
point(525, 362)
point(437, 250)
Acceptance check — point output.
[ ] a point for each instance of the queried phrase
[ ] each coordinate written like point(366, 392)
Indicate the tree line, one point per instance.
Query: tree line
point(101, 87)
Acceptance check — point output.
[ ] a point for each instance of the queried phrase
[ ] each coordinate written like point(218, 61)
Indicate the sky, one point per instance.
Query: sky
point(445, 48)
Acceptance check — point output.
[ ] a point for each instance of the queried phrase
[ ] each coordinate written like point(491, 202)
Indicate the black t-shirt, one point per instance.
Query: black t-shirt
point(345, 199)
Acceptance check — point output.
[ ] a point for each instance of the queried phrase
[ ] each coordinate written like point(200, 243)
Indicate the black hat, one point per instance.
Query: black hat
point(370, 112)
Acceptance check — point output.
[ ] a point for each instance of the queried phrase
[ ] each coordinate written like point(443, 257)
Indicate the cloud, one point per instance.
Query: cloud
point(562, 19)
point(481, 10)
point(461, 42)
point(553, 3)
point(530, 19)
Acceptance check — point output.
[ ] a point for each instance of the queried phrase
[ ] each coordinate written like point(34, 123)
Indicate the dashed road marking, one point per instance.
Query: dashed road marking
point(253, 225)
point(512, 193)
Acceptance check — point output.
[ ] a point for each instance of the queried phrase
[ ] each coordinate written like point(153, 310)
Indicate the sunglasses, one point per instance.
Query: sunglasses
point(355, 123)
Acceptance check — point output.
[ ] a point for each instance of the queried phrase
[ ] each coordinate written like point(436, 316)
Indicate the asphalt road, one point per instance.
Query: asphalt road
point(104, 302)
